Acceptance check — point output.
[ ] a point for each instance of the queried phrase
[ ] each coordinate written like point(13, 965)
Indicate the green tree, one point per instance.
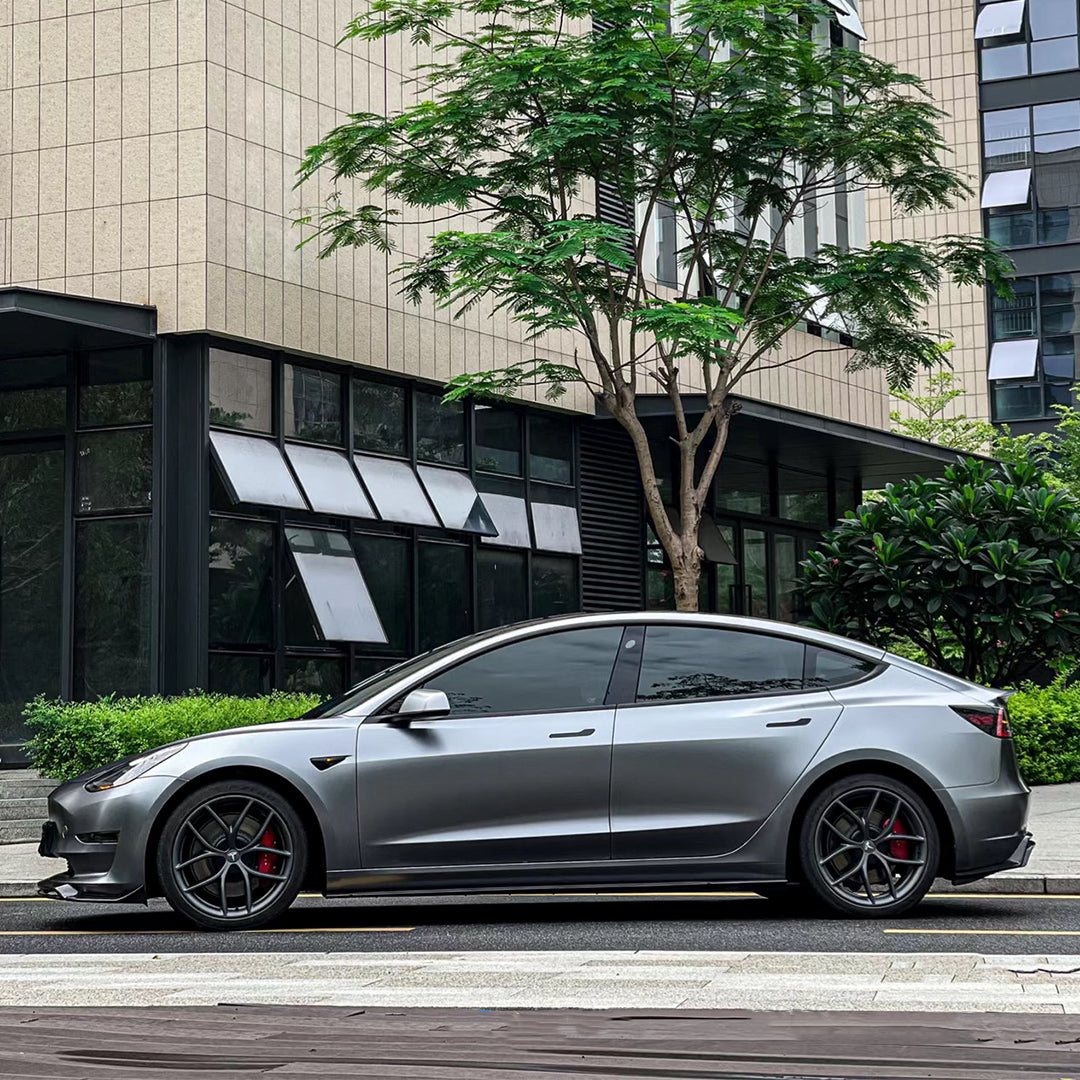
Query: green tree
point(930, 423)
point(731, 119)
point(979, 569)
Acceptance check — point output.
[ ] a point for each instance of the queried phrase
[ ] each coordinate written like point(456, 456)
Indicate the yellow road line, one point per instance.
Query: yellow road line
point(988, 933)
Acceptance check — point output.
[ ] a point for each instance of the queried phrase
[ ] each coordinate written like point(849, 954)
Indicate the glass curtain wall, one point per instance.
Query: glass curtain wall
point(437, 481)
point(76, 480)
point(768, 518)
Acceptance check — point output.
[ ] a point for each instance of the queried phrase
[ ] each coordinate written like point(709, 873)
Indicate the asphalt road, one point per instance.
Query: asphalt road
point(967, 923)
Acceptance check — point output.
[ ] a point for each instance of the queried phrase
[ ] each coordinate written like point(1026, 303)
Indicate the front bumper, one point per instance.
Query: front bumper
point(103, 838)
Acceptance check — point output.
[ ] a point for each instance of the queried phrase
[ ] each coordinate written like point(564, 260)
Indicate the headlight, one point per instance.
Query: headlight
point(123, 772)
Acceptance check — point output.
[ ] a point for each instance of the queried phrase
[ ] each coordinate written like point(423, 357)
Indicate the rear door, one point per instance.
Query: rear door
point(517, 773)
point(723, 724)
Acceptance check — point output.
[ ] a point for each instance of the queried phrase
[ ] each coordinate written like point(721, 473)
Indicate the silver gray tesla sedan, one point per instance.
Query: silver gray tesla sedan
point(588, 751)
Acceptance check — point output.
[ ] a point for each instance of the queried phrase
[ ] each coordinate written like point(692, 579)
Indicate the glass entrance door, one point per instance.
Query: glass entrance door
point(31, 585)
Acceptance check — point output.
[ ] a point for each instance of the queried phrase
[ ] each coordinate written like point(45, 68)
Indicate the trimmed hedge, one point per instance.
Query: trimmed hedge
point(70, 738)
point(1046, 728)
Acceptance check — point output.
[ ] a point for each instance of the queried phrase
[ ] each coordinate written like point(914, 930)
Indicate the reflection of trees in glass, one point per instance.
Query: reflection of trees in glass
point(31, 582)
point(41, 409)
point(116, 403)
point(314, 675)
point(114, 470)
point(705, 684)
point(112, 607)
point(387, 568)
point(554, 586)
point(440, 430)
point(220, 417)
point(379, 417)
point(313, 409)
point(241, 565)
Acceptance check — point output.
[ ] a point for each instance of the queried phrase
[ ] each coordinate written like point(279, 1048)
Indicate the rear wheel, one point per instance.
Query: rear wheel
point(232, 855)
point(869, 847)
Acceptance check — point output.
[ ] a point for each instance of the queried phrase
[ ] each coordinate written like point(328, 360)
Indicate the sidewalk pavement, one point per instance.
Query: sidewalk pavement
point(1054, 866)
point(925, 982)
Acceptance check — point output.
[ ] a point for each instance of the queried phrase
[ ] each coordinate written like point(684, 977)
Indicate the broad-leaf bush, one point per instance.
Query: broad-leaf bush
point(1046, 729)
point(980, 569)
point(70, 738)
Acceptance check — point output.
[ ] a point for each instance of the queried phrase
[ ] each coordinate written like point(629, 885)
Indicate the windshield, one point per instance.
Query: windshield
point(380, 681)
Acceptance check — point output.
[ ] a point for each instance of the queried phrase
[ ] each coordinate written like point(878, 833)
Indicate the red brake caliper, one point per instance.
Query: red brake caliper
point(268, 862)
point(898, 849)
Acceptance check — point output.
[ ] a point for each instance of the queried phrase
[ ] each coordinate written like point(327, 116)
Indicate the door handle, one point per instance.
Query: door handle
point(573, 734)
point(801, 722)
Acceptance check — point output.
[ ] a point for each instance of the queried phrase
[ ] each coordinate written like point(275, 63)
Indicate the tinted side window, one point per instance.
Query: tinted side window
point(827, 668)
point(568, 670)
point(681, 662)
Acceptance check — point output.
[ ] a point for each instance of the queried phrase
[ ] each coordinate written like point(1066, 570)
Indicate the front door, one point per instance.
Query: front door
point(31, 585)
point(720, 731)
point(518, 772)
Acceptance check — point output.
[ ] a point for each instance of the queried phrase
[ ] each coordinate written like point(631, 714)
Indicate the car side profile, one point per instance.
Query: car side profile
point(603, 751)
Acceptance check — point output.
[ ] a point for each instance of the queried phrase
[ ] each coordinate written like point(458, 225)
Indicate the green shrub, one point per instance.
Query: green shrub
point(69, 738)
point(1046, 728)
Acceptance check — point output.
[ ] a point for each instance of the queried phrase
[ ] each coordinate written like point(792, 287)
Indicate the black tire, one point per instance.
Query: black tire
point(232, 855)
point(868, 847)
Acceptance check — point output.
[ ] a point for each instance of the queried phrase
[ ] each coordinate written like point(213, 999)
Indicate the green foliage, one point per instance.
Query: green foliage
point(730, 118)
point(1046, 727)
point(979, 569)
point(70, 738)
point(931, 425)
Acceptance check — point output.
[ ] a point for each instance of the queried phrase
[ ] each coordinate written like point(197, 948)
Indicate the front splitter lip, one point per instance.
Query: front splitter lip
point(79, 890)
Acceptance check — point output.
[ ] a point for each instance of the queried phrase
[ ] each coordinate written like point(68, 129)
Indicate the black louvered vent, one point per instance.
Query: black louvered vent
point(612, 522)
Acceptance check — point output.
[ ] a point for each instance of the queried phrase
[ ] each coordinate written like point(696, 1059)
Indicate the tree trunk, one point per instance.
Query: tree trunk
point(687, 574)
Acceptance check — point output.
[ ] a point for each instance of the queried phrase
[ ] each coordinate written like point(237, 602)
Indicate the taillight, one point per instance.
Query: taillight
point(993, 721)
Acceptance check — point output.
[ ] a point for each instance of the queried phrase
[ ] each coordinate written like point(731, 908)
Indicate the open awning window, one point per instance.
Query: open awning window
point(710, 539)
point(328, 481)
point(395, 491)
point(848, 18)
point(1014, 359)
point(254, 470)
point(1000, 20)
point(1010, 188)
point(511, 518)
point(456, 501)
point(556, 528)
point(335, 588)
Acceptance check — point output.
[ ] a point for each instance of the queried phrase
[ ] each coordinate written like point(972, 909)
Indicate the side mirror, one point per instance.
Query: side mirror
point(422, 705)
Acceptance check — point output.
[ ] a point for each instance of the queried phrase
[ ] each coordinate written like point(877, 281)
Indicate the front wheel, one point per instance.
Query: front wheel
point(868, 847)
point(232, 855)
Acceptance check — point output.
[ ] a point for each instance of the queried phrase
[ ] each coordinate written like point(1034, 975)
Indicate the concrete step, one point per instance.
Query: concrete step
point(20, 832)
point(23, 784)
point(23, 809)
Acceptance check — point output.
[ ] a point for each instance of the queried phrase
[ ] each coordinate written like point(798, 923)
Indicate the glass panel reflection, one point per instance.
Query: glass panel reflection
point(312, 404)
point(112, 607)
point(241, 582)
point(501, 588)
point(33, 393)
point(379, 417)
point(116, 387)
point(440, 429)
point(498, 440)
point(443, 571)
point(242, 676)
point(554, 586)
point(387, 568)
point(31, 587)
point(114, 470)
point(241, 391)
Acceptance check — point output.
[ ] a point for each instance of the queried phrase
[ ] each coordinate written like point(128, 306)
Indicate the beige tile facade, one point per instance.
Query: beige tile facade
point(147, 154)
point(935, 39)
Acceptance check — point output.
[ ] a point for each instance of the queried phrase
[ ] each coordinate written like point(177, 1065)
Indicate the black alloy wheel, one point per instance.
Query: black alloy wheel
point(869, 847)
point(232, 855)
